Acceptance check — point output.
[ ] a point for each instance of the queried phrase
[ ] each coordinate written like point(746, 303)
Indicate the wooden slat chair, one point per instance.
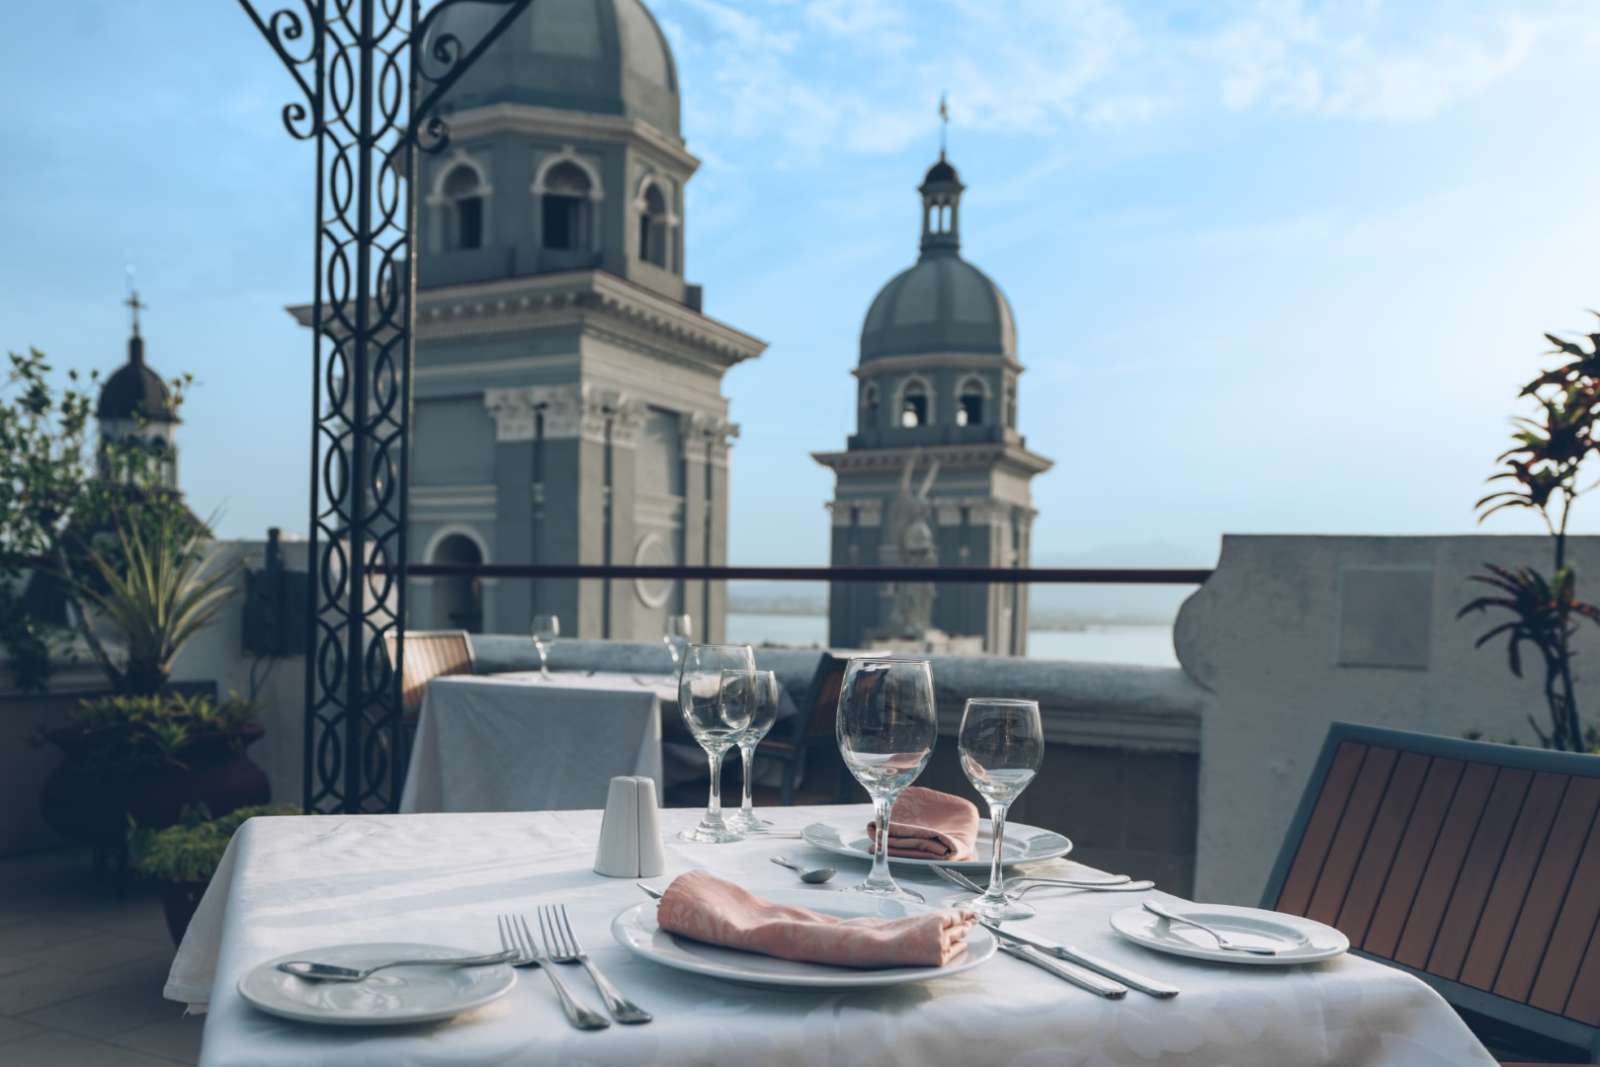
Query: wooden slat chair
point(430, 654)
point(812, 737)
point(1474, 866)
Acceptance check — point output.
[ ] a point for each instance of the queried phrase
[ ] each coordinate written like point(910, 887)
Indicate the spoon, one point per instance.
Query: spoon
point(812, 876)
point(312, 971)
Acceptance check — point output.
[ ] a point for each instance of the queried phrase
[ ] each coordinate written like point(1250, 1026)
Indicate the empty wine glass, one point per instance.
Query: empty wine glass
point(679, 635)
point(546, 628)
point(1001, 743)
point(714, 695)
point(764, 697)
point(886, 730)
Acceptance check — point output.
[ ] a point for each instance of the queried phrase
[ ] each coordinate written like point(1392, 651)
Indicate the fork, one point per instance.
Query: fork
point(1223, 942)
point(1120, 883)
point(562, 946)
point(516, 937)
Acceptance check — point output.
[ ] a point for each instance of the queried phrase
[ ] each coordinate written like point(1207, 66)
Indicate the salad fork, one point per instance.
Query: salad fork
point(562, 946)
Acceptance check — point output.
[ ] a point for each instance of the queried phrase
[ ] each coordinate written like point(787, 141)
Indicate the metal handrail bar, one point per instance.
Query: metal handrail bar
point(999, 575)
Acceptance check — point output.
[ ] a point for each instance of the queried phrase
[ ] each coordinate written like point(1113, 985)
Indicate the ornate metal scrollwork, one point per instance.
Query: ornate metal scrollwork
point(372, 81)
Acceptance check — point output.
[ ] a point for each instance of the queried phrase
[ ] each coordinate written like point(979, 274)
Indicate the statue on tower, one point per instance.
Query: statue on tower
point(909, 543)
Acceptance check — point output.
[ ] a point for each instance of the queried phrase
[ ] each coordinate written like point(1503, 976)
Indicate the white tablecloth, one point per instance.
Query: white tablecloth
point(290, 884)
point(518, 742)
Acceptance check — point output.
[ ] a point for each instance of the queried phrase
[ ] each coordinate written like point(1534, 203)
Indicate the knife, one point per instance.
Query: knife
point(1148, 986)
point(1078, 977)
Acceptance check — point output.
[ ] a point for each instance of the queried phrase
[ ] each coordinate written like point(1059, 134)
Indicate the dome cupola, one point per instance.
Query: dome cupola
point(602, 56)
point(943, 304)
point(134, 392)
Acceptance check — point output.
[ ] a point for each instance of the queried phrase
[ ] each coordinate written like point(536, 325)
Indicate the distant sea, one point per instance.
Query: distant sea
point(1145, 644)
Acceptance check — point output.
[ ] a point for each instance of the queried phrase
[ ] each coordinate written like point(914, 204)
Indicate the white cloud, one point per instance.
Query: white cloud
point(811, 78)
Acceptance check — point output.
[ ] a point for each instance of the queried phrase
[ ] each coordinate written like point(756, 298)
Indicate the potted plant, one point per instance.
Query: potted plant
point(185, 856)
point(150, 757)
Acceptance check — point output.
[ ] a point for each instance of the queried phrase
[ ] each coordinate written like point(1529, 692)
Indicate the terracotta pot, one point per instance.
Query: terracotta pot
point(179, 900)
point(89, 801)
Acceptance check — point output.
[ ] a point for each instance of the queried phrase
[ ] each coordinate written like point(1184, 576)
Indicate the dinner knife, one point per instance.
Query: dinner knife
point(1148, 986)
point(1077, 976)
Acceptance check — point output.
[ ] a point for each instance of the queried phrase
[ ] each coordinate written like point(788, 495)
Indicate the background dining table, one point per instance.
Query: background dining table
point(520, 741)
point(292, 884)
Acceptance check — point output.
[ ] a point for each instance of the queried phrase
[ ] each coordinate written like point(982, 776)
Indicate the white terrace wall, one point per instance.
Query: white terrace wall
point(1294, 633)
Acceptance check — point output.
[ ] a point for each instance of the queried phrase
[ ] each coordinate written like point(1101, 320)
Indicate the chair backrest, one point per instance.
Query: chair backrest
point(822, 699)
point(430, 654)
point(1475, 866)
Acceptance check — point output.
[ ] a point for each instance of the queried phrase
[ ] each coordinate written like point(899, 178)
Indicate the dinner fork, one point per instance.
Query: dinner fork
point(1119, 884)
point(515, 936)
point(561, 945)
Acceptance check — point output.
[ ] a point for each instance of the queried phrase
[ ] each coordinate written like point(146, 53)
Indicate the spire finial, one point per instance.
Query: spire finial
point(944, 121)
point(133, 302)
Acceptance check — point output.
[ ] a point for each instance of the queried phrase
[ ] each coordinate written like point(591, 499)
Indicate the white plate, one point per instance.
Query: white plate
point(1300, 940)
point(388, 998)
point(636, 930)
point(1024, 844)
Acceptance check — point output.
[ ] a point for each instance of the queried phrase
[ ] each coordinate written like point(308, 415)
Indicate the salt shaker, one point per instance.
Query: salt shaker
point(630, 834)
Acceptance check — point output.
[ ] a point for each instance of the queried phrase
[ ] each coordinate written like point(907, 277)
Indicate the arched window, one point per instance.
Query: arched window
point(653, 229)
point(969, 403)
point(565, 213)
point(458, 601)
point(1011, 405)
point(914, 407)
point(869, 406)
point(463, 194)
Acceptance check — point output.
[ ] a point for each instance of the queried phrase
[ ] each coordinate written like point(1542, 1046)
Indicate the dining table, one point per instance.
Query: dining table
point(294, 884)
point(526, 741)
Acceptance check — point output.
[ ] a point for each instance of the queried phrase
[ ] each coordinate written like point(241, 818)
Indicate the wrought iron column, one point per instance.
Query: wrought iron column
point(372, 73)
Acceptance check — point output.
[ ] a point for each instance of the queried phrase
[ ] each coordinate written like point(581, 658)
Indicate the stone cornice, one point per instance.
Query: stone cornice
point(986, 454)
point(596, 299)
point(560, 124)
point(959, 360)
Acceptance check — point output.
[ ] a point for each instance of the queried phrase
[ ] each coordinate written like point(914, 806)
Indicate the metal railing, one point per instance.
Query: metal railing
point(670, 572)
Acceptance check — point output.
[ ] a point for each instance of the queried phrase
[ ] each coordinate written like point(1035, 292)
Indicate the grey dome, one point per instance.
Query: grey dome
point(603, 56)
point(943, 304)
point(134, 391)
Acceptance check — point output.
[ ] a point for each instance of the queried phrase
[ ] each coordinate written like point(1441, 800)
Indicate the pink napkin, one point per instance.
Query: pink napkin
point(702, 906)
point(929, 825)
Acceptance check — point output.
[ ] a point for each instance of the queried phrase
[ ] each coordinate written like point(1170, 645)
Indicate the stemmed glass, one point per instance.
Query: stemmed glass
point(679, 635)
point(1002, 743)
point(714, 695)
point(764, 699)
point(886, 731)
point(546, 628)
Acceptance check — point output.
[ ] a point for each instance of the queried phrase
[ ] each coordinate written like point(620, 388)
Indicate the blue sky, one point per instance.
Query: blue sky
point(1277, 266)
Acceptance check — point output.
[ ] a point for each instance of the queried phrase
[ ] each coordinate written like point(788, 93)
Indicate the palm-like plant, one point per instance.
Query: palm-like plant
point(159, 594)
point(1543, 467)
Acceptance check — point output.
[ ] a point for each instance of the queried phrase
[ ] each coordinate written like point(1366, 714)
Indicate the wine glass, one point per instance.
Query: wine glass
point(714, 686)
point(679, 635)
point(1002, 743)
point(546, 628)
point(886, 730)
point(764, 698)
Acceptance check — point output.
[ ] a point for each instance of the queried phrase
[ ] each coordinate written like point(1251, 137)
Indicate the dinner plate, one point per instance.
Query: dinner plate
point(1024, 844)
point(1299, 940)
point(388, 998)
point(636, 930)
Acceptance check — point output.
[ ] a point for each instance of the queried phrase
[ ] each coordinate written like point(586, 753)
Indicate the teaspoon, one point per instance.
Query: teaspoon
point(811, 876)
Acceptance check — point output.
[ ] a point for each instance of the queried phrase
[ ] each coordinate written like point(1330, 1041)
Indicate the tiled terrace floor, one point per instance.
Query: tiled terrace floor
point(81, 971)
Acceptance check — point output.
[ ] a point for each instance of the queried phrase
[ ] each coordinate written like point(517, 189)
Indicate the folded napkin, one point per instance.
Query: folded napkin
point(702, 906)
point(929, 825)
